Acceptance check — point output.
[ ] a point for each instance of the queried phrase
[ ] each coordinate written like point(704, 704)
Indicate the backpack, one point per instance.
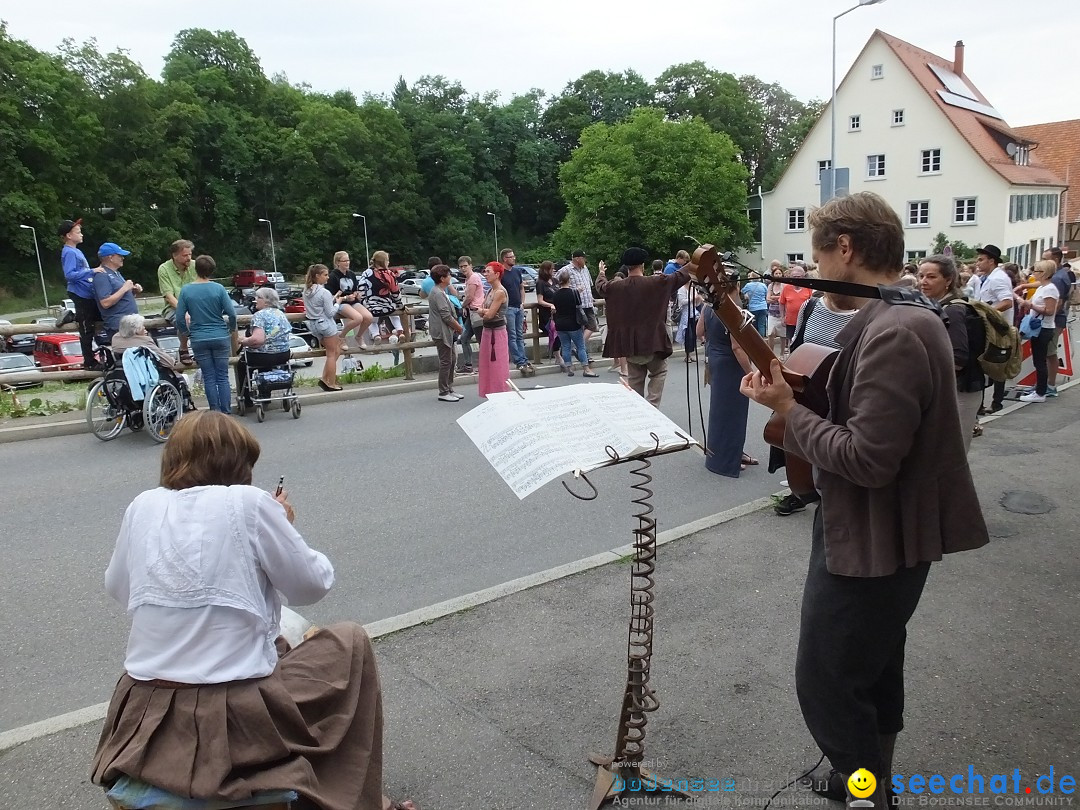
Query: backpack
point(1000, 356)
point(383, 283)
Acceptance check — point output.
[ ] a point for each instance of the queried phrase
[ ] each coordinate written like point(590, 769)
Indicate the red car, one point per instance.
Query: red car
point(61, 351)
point(250, 278)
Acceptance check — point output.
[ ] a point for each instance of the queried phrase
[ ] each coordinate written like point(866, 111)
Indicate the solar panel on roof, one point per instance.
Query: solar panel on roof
point(953, 83)
point(967, 104)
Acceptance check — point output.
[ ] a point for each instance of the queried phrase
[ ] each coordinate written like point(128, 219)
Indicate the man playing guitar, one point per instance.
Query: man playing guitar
point(896, 491)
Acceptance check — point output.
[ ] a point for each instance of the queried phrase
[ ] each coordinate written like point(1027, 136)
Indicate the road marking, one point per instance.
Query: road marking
point(395, 624)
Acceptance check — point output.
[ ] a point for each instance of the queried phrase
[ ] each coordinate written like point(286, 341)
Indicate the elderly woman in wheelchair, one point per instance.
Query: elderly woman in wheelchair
point(263, 365)
point(139, 387)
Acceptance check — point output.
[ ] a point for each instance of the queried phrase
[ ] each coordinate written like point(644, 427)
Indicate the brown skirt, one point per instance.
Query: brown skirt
point(313, 726)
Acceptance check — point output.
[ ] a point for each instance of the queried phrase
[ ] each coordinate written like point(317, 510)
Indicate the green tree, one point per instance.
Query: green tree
point(596, 97)
point(649, 182)
point(784, 123)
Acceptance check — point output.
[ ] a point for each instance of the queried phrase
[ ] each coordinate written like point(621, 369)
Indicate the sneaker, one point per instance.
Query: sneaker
point(1033, 397)
point(1051, 390)
point(457, 396)
point(447, 398)
point(569, 374)
point(789, 505)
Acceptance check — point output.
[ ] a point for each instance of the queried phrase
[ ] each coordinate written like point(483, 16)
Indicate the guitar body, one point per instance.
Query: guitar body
point(806, 369)
point(813, 363)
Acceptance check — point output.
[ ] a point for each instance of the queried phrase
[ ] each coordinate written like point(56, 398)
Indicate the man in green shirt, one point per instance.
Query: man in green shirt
point(173, 274)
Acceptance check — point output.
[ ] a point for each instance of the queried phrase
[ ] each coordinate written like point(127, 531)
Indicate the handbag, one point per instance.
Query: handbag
point(582, 317)
point(1031, 326)
point(475, 321)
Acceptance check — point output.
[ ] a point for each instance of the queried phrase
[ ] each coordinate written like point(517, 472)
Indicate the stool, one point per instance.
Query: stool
point(131, 794)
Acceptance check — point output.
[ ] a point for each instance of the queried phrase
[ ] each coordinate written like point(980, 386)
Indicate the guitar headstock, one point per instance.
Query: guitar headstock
point(707, 271)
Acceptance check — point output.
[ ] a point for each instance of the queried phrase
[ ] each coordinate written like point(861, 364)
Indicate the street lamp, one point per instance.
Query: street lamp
point(40, 271)
point(367, 250)
point(832, 100)
point(495, 223)
point(273, 254)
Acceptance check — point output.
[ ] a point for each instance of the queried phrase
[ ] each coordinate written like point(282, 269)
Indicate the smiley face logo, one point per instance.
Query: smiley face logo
point(862, 784)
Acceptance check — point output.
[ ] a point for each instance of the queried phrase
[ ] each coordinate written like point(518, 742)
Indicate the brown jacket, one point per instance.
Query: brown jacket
point(637, 312)
point(889, 459)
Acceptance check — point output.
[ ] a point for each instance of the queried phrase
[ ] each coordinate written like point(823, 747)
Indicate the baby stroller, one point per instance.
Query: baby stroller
point(260, 375)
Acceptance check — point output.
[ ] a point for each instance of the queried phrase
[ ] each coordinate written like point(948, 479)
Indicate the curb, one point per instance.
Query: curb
point(73, 427)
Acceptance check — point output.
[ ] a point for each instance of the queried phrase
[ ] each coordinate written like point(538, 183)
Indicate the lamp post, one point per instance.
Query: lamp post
point(495, 224)
point(367, 250)
point(273, 253)
point(832, 100)
point(41, 272)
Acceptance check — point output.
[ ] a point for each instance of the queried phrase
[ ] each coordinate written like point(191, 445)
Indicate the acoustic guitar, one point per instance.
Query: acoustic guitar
point(806, 369)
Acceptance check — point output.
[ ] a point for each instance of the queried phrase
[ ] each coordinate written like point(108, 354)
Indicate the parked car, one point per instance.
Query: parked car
point(251, 278)
point(18, 343)
point(528, 276)
point(298, 344)
point(18, 364)
point(300, 329)
point(170, 344)
point(410, 286)
point(48, 323)
point(61, 350)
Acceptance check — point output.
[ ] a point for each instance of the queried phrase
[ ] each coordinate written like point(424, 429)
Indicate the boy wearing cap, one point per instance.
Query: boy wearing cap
point(80, 287)
point(115, 294)
point(637, 308)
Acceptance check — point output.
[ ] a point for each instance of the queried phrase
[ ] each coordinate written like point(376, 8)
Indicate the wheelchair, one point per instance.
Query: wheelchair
point(111, 406)
point(259, 375)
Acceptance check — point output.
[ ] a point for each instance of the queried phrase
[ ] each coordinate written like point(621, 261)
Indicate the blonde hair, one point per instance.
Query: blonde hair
point(380, 258)
point(313, 271)
point(1045, 268)
point(340, 255)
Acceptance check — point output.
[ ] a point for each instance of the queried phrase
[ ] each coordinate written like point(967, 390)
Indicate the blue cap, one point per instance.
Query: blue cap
point(112, 249)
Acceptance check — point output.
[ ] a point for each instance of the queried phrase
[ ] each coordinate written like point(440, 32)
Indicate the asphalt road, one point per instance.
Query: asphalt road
point(389, 488)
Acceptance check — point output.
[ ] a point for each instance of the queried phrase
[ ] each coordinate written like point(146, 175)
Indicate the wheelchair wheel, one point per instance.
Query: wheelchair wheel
point(260, 412)
point(106, 421)
point(162, 408)
point(285, 403)
point(241, 408)
point(296, 408)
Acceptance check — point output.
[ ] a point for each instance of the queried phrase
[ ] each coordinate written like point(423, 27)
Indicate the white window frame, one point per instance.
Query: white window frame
point(915, 255)
point(974, 208)
point(919, 213)
point(898, 119)
point(877, 72)
point(875, 167)
point(822, 167)
point(796, 220)
point(794, 257)
point(854, 123)
point(928, 154)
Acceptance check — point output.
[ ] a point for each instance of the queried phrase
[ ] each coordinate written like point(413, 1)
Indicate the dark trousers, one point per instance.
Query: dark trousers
point(1039, 346)
point(849, 672)
point(446, 367)
point(86, 315)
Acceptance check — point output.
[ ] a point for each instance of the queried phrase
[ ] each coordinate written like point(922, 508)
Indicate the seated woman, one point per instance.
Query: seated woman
point(131, 332)
point(213, 704)
point(321, 308)
point(268, 344)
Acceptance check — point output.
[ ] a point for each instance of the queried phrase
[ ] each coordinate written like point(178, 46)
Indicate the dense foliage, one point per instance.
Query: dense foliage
point(215, 145)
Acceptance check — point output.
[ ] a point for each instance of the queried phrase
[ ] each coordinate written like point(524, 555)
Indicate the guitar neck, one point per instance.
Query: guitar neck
point(747, 336)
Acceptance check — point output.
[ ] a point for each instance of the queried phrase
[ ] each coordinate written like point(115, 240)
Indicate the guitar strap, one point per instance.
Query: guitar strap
point(893, 296)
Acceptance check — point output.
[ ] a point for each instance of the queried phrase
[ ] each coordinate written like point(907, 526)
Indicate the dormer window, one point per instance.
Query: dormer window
point(1022, 155)
point(877, 72)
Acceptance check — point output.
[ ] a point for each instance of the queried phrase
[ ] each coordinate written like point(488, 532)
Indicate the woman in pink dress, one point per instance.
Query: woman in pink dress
point(494, 376)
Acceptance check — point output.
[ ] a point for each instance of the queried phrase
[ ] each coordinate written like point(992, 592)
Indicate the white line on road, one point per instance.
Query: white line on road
point(395, 624)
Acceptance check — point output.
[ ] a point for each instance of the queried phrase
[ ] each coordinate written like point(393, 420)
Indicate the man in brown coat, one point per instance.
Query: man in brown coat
point(896, 491)
point(637, 308)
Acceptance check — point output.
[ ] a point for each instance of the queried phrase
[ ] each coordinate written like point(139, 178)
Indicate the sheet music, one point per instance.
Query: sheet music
point(533, 438)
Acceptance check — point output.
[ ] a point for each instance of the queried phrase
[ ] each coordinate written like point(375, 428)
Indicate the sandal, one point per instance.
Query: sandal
point(748, 461)
point(186, 359)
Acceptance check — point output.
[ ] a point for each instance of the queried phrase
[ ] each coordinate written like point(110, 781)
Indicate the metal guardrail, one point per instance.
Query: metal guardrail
point(407, 346)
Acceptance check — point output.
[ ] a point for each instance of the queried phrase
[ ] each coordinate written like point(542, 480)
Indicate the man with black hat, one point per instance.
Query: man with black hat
point(997, 291)
point(637, 308)
point(80, 287)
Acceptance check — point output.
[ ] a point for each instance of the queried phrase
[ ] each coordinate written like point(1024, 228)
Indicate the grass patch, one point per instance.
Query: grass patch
point(373, 373)
point(14, 406)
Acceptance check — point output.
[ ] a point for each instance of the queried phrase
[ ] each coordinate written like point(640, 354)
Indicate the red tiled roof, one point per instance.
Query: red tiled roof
point(974, 127)
point(1059, 148)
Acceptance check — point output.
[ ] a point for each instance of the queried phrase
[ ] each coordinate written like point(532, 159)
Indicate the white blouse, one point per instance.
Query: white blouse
point(200, 571)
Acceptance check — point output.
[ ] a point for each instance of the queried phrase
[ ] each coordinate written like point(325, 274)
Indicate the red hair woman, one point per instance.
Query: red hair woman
point(494, 373)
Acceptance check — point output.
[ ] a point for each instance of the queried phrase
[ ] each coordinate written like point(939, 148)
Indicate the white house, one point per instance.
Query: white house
point(913, 128)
